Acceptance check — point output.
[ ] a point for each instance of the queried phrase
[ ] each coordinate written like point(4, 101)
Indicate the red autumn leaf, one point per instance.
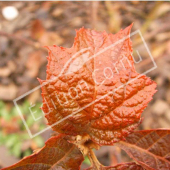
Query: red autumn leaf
point(92, 88)
point(57, 154)
point(123, 166)
point(150, 148)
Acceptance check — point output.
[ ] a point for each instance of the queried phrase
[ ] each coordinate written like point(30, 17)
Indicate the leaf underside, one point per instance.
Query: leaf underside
point(88, 91)
point(57, 154)
point(150, 148)
point(123, 166)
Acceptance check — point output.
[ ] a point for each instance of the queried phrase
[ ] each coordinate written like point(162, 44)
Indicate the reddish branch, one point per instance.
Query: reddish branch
point(35, 45)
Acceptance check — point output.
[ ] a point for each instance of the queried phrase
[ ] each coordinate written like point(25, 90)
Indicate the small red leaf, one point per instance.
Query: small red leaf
point(150, 148)
point(123, 166)
point(57, 154)
point(89, 91)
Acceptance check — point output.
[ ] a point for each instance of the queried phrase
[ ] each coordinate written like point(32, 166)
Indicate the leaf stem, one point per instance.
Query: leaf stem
point(94, 161)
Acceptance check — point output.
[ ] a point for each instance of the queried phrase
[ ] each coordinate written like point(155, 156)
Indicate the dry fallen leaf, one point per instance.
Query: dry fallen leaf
point(8, 92)
point(34, 62)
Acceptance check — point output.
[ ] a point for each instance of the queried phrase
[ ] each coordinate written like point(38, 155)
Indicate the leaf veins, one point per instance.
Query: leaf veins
point(93, 88)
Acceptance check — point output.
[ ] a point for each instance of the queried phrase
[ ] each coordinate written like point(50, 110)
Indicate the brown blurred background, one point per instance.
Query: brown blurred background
point(28, 26)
